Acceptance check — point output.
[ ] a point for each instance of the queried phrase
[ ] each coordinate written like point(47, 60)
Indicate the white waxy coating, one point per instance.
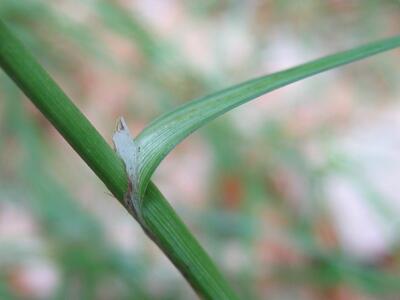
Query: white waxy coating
point(127, 149)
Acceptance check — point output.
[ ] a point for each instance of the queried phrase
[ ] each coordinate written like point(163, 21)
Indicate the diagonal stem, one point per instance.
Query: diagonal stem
point(164, 226)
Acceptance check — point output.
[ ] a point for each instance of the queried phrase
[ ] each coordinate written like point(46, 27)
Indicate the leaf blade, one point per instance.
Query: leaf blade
point(167, 131)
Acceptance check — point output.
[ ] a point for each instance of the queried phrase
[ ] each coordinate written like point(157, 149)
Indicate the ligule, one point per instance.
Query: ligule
point(128, 151)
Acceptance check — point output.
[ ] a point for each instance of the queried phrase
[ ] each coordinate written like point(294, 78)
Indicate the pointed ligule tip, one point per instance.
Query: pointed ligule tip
point(122, 139)
point(121, 124)
point(120, 131)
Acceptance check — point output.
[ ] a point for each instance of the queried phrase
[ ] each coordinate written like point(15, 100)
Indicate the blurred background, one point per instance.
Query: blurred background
point(294, 195)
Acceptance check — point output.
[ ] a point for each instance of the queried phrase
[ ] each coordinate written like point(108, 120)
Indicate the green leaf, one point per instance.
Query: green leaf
point(167, 131)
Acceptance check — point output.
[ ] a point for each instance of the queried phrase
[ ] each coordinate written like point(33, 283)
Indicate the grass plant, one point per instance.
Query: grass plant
point(129, 178)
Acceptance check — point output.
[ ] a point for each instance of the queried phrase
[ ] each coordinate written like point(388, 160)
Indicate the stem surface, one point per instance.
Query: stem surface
point(164, 226)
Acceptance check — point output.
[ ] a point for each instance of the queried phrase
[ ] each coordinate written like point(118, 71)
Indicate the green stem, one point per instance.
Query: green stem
point(164, 226)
